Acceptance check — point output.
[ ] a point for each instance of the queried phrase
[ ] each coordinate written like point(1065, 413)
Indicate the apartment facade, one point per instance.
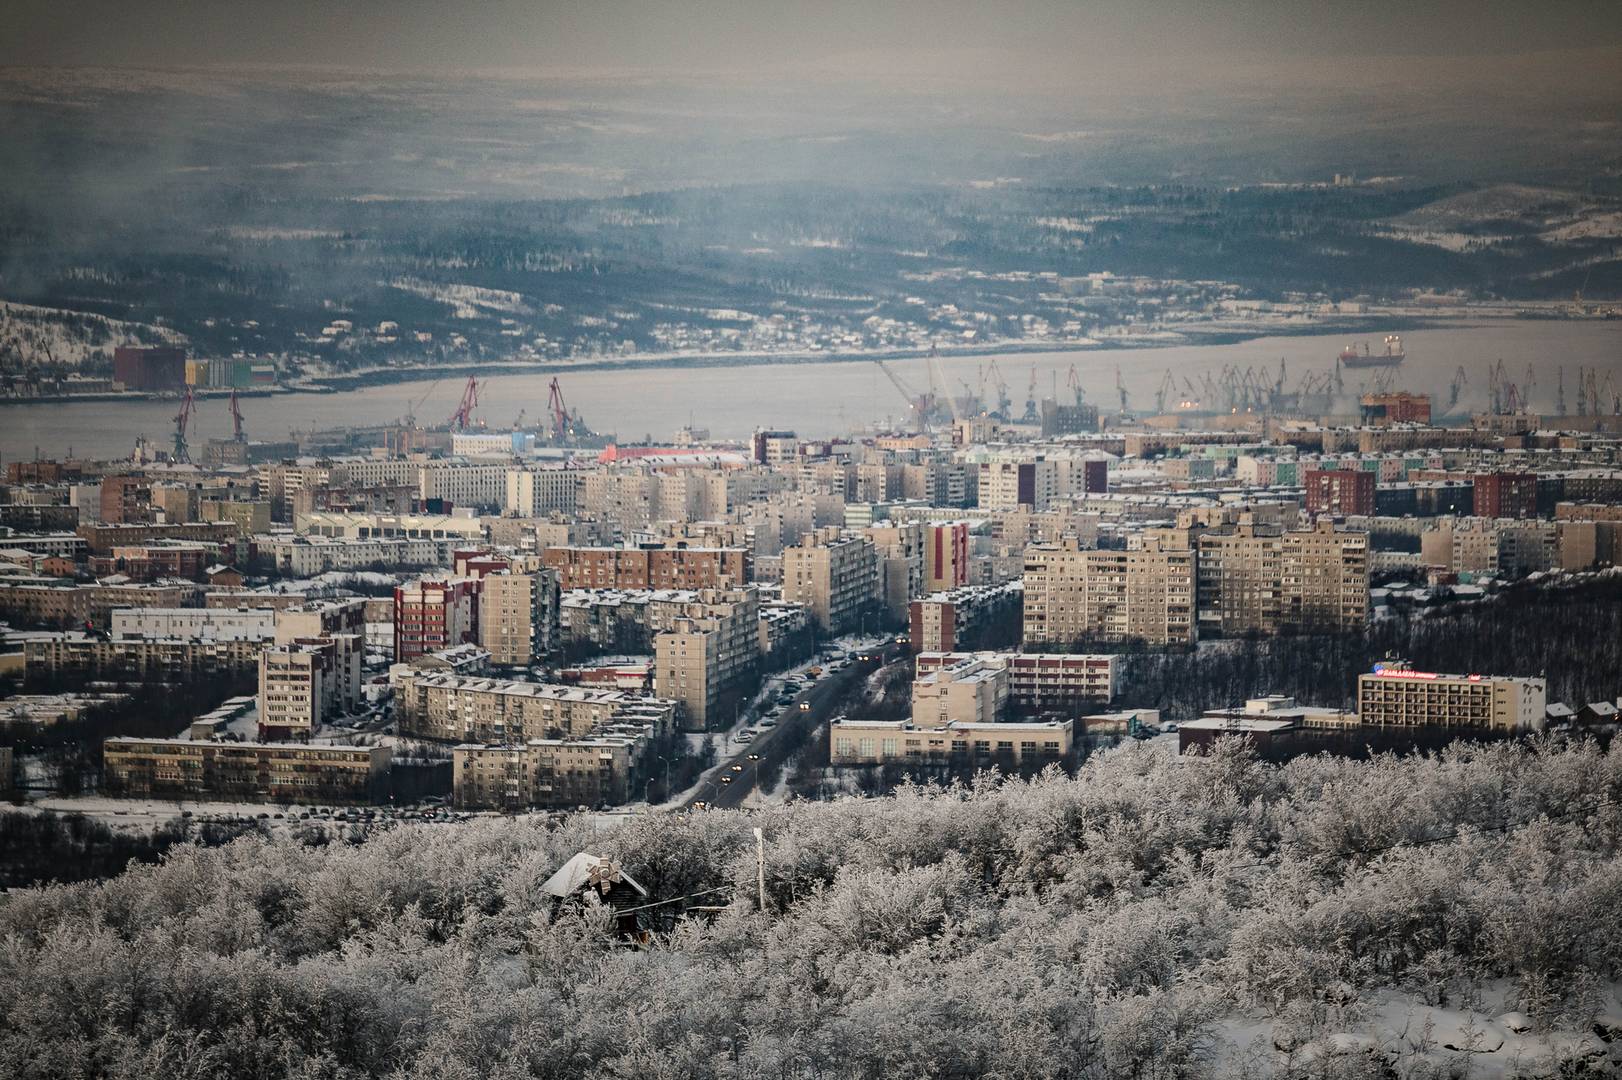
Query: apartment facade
point(519, 616)
point(435, 613)
point(1146, 592)
point(1042, 682)
point(647, 568)
point(256, 772)
point(1339, 492)
point(458, 708)
point(710, 654)
point(1265, 580)
point(836, 579)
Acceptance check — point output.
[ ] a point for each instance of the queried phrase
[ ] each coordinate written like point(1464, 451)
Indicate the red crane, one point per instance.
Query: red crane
point(462, 418)
point(182, 418)
point(560, 412)
point(236, 418)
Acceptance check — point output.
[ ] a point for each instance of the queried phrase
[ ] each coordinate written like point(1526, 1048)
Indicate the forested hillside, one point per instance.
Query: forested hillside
point(1154, 917)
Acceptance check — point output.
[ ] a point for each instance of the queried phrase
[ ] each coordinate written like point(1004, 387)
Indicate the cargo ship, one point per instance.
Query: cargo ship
point(1353, 357)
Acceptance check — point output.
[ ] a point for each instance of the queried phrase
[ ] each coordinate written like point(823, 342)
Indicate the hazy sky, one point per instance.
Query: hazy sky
point(839, 34)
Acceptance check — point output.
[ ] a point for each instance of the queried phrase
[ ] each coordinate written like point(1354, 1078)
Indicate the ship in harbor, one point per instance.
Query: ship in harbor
point(1353, 357)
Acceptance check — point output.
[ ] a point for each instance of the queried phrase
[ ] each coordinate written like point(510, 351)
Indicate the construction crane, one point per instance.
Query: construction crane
point(462, 418)
point(560, 412)
point(182, 418)
point(236, 419)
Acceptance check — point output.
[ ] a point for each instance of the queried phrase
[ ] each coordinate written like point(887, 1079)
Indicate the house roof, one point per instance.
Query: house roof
point(586, 871)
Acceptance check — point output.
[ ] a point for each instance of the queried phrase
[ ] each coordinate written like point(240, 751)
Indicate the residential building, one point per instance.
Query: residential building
point(647, 568)
point(959, 618)
point(710, 656)
point(1506, 495)
point(1041, 683)
point(456, 708)
point(836, 578)
point(519, 616)
point(1009, 485)
point(1340, 492)
point(1146, 592)
point(1395, 695)
point(255, 771)
point(434, 613)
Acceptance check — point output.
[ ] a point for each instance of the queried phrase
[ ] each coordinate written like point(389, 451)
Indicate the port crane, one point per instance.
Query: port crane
point(1168, 385)
point(1460, 381)
point(410, 418)
point(921, 405)
point(1001, 384)
point(1120, 388)
point(560, 411)
point(462, 418)
point(236, 418)
point(1031, 416)
point(188, 405)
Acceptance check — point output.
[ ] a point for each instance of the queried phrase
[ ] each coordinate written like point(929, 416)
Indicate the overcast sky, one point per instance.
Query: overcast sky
point(856, 35)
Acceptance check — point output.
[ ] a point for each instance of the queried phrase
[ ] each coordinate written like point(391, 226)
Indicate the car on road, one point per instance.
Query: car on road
point(726, 779)
point(805, 706)
point(737, 768)
point(754, 757)
point(745, 736)
point(768, 722)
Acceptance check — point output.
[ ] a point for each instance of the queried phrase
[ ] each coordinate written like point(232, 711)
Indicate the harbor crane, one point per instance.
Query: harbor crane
point(1120, 388)
point(921, 405)
point(410, 418)
point(1168, 385)
point(236, 418)
point(560, 411)
point(1460, 381)
point(462, 418)
point(1073, 381)
point(1031, 416)
point(1000, 384)
point(188, 405)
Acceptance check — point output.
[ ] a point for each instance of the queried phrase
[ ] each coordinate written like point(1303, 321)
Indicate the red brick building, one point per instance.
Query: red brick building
point(1396, 408)
point(434, 614)
point(1341, 492)
point(1506, 495)
point(149, 369)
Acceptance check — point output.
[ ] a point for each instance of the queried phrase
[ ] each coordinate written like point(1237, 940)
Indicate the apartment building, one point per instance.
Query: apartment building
point(1041, 682)
point(1146, 592)
point(1506, 495)
point(972, 690)
point(519, 616)
point(310, 556)
point(1397, 696)
point(295, 684)
point(154, 659)
point(957, 618)
point(462, 483)
point(254, 624)
point(1339, 492)
point(1266, 580)
point(457, 708)
point(836, 578)
point(1491, 547)
point(900, 551)
point(435, 613)
point(461, 526)
point(255, 772)
point(709, 656)
point(876, 742)
point(1009, 485)
point(946, 555)
point(538, 492)
point(647, 568)
point(606, 769)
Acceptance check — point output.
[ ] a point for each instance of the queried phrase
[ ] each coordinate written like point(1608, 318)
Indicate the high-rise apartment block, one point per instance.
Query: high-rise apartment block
point(1146, 592)
point(709, 655)
point(1339, 492)
point(519, 616)
point(1266, 580)
point(837, 579)
point(1506, 495)
point(433, 614)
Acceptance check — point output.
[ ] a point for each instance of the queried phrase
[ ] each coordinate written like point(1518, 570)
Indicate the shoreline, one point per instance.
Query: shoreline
point(362, 380)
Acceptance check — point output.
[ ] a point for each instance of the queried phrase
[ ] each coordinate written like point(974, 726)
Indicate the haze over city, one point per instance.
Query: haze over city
point(720, 540)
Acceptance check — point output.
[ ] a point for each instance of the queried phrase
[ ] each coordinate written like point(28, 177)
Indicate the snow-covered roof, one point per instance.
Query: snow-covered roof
point(586, 871)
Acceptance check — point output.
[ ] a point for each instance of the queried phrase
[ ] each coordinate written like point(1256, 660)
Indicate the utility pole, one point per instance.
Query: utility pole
point(760, 866)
